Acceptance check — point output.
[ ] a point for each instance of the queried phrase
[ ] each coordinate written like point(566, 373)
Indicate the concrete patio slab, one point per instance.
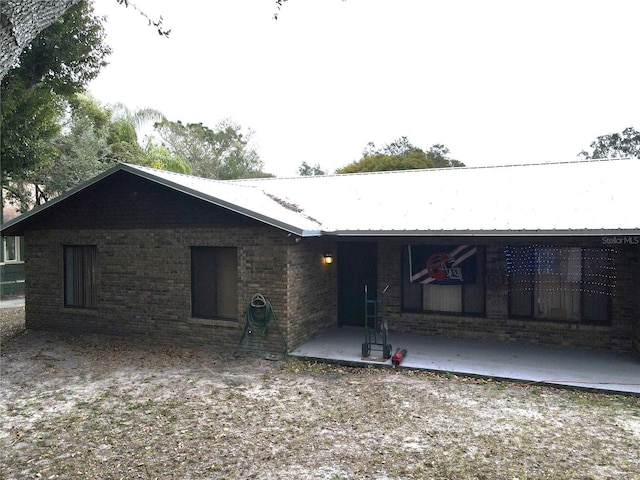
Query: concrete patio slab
point(572, 367)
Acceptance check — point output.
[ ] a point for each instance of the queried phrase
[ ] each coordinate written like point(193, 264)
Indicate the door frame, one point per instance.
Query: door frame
point(357, 266)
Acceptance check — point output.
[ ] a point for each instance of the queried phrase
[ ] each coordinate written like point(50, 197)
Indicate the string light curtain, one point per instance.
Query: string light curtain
point(562, 283)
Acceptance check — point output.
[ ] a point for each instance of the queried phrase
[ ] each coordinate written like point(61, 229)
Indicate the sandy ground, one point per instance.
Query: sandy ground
point(103, 408)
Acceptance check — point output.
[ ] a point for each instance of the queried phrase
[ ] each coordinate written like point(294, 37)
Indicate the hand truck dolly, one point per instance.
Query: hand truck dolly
point(375, 328)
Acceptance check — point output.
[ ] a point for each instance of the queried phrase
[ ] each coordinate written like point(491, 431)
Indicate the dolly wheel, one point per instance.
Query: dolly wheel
point(366, 349)
point(386, 351)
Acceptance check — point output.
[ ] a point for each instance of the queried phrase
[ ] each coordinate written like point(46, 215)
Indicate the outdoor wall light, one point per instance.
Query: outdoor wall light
point(327, 259)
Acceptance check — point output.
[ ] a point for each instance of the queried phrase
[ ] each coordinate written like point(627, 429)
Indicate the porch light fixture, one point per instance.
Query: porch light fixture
point(327, 259)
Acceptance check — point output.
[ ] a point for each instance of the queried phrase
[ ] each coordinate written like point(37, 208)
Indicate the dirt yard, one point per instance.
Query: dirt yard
point(101, 408)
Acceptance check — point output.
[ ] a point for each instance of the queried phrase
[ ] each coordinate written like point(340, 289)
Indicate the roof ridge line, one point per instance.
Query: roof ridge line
point(435, 169)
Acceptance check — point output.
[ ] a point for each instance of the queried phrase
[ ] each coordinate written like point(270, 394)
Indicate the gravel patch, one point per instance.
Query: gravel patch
point(11, 323)
point(100, 407)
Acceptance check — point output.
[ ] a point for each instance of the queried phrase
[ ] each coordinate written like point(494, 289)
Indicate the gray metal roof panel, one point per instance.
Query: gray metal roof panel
point(571, 198)
point(578, 197)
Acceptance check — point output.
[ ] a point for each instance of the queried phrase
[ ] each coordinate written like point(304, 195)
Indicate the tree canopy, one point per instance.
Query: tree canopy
point(159, 156)
point(55, 136)
point(625, 144)
point(224, 152)
point(81, 151)
point(23, 20)
point(306, 170)
point(400, 154)
point(59, 62)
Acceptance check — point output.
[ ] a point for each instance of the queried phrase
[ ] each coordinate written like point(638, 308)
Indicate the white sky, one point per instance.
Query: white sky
point(496, 81)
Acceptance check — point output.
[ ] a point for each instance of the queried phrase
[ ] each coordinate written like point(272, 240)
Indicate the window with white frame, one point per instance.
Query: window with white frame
point(12, 249)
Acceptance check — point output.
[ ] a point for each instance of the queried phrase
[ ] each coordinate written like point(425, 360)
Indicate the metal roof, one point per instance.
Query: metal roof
point(575, 198)
point(595, 197)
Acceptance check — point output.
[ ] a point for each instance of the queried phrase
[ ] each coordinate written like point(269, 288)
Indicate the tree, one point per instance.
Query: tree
point(23, 20)
point(91, 139)
point(157, 23)
point(29, 122)
point(401, 146)
point(82, 150)
point(123, 132)
point(400, 154)
point(77, 152)
point(384, 163)
point(50, 51)
point(53, 68)
point(223, 153)
point(613, 145)
point(306, 170)
point(159, 156)
point(68, 54)
point(438, 153)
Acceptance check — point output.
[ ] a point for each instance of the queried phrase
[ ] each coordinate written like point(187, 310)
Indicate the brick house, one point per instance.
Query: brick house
point(545, 253)
point(11, 255)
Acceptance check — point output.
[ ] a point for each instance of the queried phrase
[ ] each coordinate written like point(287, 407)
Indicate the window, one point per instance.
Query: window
point(443, 278)
point(561, 283)
point(214, 282)
point(12, 249)
point(79, 276)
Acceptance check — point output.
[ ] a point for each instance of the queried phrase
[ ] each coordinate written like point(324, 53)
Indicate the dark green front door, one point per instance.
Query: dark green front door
point(357, 267)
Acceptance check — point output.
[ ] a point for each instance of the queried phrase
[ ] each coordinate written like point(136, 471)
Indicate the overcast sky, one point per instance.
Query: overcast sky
point(496, 81)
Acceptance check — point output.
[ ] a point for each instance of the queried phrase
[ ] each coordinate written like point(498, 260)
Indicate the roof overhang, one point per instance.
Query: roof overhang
point(13, 227)
point(396, 204)
point(485, 233)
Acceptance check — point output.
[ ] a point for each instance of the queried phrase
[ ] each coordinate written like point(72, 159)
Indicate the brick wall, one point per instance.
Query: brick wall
point(311, 290)
point(144, 289)
point(144, 281)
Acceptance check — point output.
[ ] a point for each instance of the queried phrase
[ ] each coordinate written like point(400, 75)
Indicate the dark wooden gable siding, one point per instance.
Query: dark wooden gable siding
point(126, 201)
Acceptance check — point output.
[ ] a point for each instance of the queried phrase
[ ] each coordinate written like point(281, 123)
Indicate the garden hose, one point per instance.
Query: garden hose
point(258, 316)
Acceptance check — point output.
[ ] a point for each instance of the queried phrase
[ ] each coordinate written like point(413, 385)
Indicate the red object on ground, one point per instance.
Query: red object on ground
point(399, 356)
